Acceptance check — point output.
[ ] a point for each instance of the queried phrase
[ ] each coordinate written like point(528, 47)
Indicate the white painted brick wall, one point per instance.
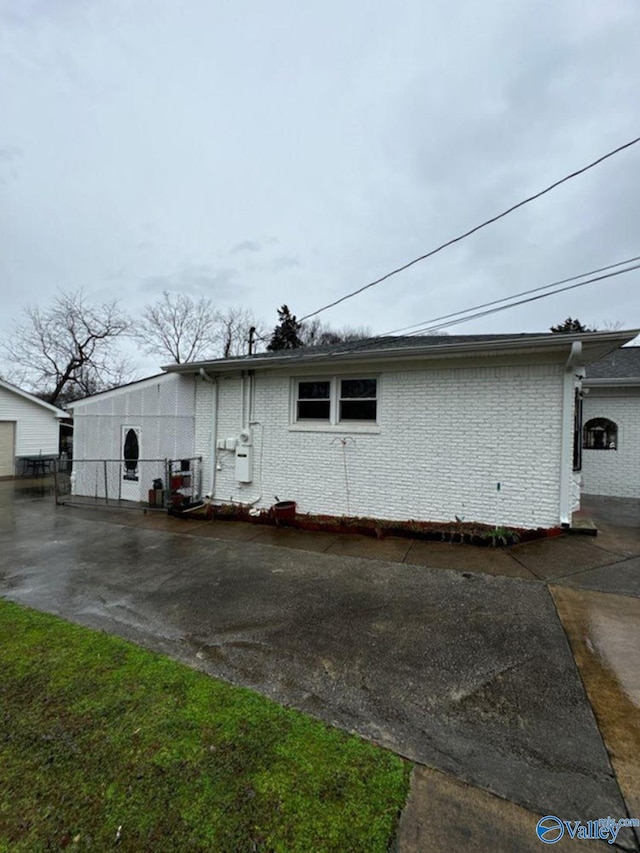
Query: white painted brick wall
point(204, 437)
point(614, 472)
point(445, 439)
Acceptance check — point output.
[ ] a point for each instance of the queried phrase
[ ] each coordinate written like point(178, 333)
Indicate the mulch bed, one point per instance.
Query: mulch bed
point(467, 532)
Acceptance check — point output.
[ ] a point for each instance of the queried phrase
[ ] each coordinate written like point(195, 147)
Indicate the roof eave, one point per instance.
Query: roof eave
point(612, 382)
point(595, 346)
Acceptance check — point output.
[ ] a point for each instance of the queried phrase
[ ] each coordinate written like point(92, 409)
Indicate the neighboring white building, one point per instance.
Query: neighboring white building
point(144, 423)
point(611, 426)
point(28, 427)
point(478, 427)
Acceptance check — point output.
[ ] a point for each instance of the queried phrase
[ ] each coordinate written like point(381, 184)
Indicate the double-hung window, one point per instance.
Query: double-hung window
point(314, 400)
point(336, 400)
point(358, 400)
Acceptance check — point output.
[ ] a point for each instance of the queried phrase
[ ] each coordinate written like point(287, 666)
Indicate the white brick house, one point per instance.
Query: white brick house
point(611, 426)
point(478, 427)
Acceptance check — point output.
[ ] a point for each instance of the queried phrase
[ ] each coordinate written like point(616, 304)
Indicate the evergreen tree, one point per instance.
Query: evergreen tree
point(571, 325)
point(286, 334)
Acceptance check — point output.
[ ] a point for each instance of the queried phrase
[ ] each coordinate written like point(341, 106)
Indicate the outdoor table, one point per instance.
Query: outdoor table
point(37, 465)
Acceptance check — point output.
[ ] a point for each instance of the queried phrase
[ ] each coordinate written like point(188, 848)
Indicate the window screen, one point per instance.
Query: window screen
point(358, 399)
point(314, 401)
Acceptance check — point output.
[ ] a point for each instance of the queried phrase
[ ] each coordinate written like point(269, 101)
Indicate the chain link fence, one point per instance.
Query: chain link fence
point(156, 483)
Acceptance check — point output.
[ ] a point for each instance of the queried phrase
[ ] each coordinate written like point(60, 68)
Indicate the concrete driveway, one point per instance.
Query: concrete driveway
point(508, 677)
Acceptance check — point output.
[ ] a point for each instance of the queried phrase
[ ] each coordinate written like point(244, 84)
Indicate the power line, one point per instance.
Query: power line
point(362, 346)
point(473, 230)
point(512, 296)
point(446, 325)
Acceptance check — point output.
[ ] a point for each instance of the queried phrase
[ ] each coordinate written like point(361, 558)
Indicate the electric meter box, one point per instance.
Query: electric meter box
point(244, 463)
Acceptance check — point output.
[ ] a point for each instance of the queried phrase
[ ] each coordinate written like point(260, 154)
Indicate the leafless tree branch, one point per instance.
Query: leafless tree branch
point(69, 349)
point(179, 328)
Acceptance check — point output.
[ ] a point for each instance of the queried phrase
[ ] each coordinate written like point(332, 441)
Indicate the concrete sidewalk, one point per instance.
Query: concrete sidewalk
point(608, 562)
point(507, 675)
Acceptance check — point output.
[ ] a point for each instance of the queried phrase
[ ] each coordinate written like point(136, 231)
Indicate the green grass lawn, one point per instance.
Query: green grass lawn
point(104, 746)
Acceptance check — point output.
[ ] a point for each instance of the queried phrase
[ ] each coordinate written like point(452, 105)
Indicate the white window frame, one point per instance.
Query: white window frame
point(296, 399)
point(333, 424)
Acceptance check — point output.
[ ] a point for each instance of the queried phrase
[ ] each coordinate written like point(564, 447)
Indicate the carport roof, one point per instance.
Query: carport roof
point(595, 345)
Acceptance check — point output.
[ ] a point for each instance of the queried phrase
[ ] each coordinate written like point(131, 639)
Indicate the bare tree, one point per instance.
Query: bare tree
point(315, 333)
point(234, 331)
point(179, 328)
point(610, 326)
point(69, 349)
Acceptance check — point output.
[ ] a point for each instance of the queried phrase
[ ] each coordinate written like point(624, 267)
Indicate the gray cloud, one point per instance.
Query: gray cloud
point(196, 280)
point(10, 153)
point(137, 146)
point(245, 246)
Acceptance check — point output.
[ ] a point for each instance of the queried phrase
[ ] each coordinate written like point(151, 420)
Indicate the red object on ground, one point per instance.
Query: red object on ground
point(284, 510)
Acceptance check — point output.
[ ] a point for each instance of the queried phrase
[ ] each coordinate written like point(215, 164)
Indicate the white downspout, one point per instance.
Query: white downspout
point(566, 453)
point(214, 428)
point(252, 396)
point(243, 395)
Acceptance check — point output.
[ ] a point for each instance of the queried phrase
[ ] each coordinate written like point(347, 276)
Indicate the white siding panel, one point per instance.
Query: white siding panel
point(163, 409)
point(37, 429)
point(165, 412)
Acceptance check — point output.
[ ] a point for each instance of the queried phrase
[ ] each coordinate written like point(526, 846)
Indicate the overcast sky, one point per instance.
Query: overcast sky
point(262, 153)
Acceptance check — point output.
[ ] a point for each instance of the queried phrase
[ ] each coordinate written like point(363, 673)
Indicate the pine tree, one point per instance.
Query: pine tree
point(571, 325)
point(286, 334)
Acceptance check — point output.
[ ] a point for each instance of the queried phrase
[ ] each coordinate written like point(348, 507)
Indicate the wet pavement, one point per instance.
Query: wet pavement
point(605, 640)
point(523, 697)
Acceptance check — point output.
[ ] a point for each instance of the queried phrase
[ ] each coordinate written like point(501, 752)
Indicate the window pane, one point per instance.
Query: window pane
point(358, 388)
point(313, 390)
point(313, 410)
point(357, 410)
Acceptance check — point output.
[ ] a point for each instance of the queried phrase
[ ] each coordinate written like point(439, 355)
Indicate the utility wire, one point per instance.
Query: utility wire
point(512, 296)
point(472, 230)
point(360, 346)
point(437, 327)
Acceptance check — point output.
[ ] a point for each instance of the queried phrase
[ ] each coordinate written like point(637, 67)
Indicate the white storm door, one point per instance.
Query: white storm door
point(130, 454)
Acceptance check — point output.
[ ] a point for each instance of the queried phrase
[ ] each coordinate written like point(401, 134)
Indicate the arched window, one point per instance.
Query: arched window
point(600, 434)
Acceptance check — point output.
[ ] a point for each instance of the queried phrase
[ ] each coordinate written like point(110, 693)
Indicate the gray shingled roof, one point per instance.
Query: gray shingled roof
point(393, 347)
point(621, 364)
point(390, 342)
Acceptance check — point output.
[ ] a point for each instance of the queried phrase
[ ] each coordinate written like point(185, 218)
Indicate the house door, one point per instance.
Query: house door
point(130, 467)
point(7, 448)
